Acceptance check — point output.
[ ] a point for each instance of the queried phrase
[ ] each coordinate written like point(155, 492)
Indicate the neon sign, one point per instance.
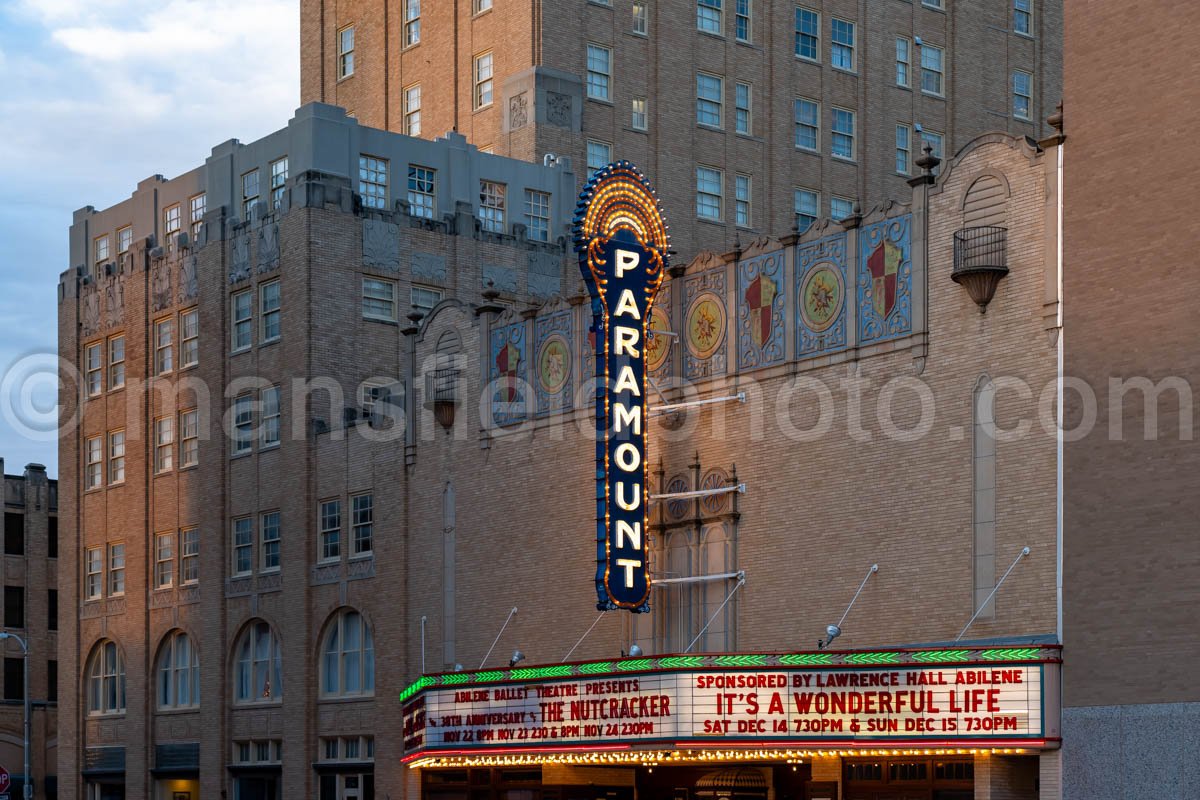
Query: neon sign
point(622, 244)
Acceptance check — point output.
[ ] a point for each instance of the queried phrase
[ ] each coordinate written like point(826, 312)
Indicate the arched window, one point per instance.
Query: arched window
point(106, 680)
point(259, 676)
point(178, 672)
point(348, 666)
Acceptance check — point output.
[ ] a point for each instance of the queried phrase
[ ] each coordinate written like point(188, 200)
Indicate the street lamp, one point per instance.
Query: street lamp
point(27, 783)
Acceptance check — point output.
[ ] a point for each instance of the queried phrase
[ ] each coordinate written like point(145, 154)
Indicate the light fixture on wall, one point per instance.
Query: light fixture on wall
point(517, 657)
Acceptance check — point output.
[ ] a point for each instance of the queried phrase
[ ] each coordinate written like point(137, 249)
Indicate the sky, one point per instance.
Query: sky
point(96, 95)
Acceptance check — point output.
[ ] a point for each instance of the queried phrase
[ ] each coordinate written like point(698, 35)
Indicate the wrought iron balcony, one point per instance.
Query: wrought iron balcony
point(441, 392)
point(980, 261)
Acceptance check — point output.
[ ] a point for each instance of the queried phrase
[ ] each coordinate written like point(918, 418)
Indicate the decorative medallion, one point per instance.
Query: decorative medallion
point(657, 347)
point(705, 325)
point(554, 364)
point(822, 297)
point(714, 504)
point(821, 305)
point(705, 322)
point(677, 509)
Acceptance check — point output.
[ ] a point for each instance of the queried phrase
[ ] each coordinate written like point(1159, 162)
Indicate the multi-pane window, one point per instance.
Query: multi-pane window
point(329, 541)
point(95, 463)
point(841, 48)
point(243, 546)
point(842, 139)
point(116, 362)
point(708, 16)
point(116, 569)
point(172, 222)
point(808, 34)
point(741, 108)
point(903, 148)
point(482, 5)
point(242, 332)
point(840, 207)
point(373, 181)
point(249, 193)
point(537, 215)
point(268, 527)
point(640, 23)
point(101, 249)
point(124, 239)
point(1023, 17)
point(412, 22)
point(378, 298)
point(269, 430)
point(599, 71)
point(189, 556)
point(483, 80)
point(362, 523)
point(243, 424)
point(197, 206)
point(345, 39)
point(164, 560)
point(709, 89)
point(1022, 88)
point(94, 368)
point(258, 678)
point(268, 310)
point(116, 457)
point(708, 193)
point(189, 438)
point(491, 205)
point(164, 444)
point(424, 299)
point(93, 573)
point(806, 205)
point(412, 110)
point(741, 20)
point(599, 155)
point(807, 116)
point(638, 118)
point(741, 200)
point(164, 347)
point(279, 176)
point(422, 197)
point(106, 680)
point(348, 665)
point(189, 338)
point(179, 673)
point(933, 69)
point(903, 60)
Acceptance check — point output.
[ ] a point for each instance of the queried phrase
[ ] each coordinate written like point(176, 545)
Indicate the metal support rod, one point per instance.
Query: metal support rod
point(498, 635)
point(741, 582)
point(654, 385)
point(581, 638)
point(1024, 552)
point(422, 644)
point(724, 576)
point(739, 488)
point(874, 568)
point(669, 407)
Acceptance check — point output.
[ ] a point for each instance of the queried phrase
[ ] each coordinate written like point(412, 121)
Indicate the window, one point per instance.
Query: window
point(93, 573)
point(268, 528)
point(378, 299)
point(171, 220)
point(362, 509)
point(741, 20)
point(1022, 87)
point(807, 120)
point(348, 666)
point(116, 362)
point(412, 22)
point(346, 52)
point(599, 155)
point(741, 108)
point(424, 299)
point(189, 556)
point(243, 422)
point(903, 148)
point(241, 310)
point(52, 609)
point(14, 679)
point(491, 206)
point(840, 208)
point(330, 537)
point(95, 383)
point(640, 23)
point(709, 89)
point(100, 246)
point(806, 204)
point(189, 438)
point(243, 546)
point(52, 537)
point(1023, 17)
point(422, 200)
point(483, 80)
point(14, 606)
point(842, 141)
point(124, 239)
point(348, 748)
point(537, 215)
point(412, 110)
point(164, 560)
point(178, 672)
point(638, 117)
point(189, 338)
point(932, 69)
point(932, 3)
point(164, 444)
point(903, 59)
point(841, 37)
point(198, 205)
point(741, 200)
point(268, 311)
point(708, 16)
point(116, 569)
point(599, 71)
point(373, 181)
point(249, 193)
point(51, 680)
point(708, 193)
point(279, 176)
point(14, 534)
point(372, 394)
point(259, 670)
point(116, 457)
point(808, 34)
point(164, 350)
point(106, 680)
point(482, 5)
point(260, 752)
point(270, 417)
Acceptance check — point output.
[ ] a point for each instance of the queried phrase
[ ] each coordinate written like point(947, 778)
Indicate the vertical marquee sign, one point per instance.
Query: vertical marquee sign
point(622, 244)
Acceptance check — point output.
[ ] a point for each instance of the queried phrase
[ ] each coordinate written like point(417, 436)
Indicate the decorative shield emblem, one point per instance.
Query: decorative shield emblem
point(884, 263)
point(508, 365)
point(760, 294)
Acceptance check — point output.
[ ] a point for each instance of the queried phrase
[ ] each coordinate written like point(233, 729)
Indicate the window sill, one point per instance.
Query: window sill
point(120, 388)
point(807, 150)
point(631, 129)
point(270, 342)
point(189, 367)
point(116, 484)
point(105, 715)
point(1028, 36)
point(362, 556)
point(174, 711)
point(600, 100)
point(381, 320)
point(270, 571)
point(711, 35)
point(477, 109)
point(704, 126)
point(237, 576)
point(412, 46)
point(645, 36)
point(482, 13)
point(845, 71)
point(188, 467)
point(162, 473)
point(241, 350)
point(709, 221)
point(807, 60)
point(933, 95)
point(346, 77)
point(249, 704)
point(845, 160)
point(235, 456)
point(341, 699)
